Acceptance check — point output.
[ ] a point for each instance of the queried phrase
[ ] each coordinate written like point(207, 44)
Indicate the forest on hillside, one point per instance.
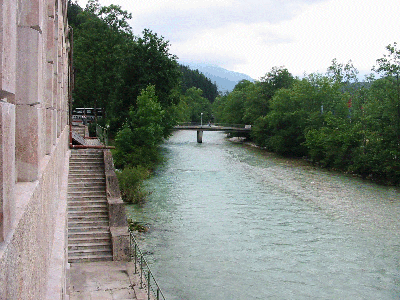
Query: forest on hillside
point(331, 119)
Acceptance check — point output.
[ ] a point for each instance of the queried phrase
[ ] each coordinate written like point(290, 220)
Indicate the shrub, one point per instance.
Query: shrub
point(130, 183)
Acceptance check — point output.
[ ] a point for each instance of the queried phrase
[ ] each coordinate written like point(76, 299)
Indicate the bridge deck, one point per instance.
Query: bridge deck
point(211, 128)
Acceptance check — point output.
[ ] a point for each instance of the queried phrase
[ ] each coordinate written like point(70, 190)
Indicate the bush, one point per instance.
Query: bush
point(130, 183)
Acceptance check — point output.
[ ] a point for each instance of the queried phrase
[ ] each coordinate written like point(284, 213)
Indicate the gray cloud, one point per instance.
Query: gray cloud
point(179, 25)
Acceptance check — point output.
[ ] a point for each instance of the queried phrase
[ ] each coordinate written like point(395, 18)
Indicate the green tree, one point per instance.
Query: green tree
point(98, 50)
point(389, 65)
point(136, 143)
point(198, 105)
point(261, 93)
point(146, 61)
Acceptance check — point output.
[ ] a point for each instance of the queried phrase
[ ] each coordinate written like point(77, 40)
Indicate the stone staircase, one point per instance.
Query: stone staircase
point(79, 129)
point(89, 237)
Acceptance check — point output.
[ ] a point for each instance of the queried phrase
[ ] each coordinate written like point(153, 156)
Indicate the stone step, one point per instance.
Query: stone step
point(73, 240)
point(90, 258)
point(104, 234)
point(87, 168)
point(85, 152)
point(88, 209)
point(87, 184)
point(90, 246)
point(95, 189)
point(80, 174)
point(85, 180)
point(88, 252)
point(93, 213)
point(77, 194)
point(83, 167)
point(87, 158)
point(86, 161)
point(76, 186)
point(88, 229)
point(87, 217)
point(84, 224)
point(87, 198)
point(87, 201)
point(77, 175)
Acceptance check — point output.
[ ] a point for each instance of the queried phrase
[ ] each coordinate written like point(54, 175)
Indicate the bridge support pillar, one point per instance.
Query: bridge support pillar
point(199, 136)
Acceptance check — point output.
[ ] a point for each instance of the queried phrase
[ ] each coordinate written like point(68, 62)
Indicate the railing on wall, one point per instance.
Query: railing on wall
point(147, 279)
point(213, 124)
point(102, 134)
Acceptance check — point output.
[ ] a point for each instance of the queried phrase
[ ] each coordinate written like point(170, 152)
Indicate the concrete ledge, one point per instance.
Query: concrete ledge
point(120, 243)
point(116, 211)
point(116, 207)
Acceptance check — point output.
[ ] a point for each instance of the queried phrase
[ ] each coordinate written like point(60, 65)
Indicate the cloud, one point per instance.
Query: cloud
point(253, 36)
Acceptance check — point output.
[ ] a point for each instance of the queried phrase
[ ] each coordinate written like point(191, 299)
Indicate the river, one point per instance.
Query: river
point(228, 221)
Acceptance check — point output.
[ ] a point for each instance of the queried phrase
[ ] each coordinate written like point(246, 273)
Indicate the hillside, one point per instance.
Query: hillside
point(225, 79)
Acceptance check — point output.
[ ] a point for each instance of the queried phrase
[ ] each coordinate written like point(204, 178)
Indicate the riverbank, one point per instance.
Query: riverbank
point(307, 163)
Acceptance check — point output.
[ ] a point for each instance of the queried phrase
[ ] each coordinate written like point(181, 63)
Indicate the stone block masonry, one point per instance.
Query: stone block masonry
point(34, 130)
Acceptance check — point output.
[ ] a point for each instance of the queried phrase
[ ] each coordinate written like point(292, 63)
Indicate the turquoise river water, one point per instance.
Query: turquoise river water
point(228, 221)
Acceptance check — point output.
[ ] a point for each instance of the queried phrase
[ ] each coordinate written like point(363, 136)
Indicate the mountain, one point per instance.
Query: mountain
point(225, 79)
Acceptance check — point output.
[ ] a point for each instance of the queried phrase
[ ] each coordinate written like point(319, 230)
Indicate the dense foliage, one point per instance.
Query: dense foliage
point(331, 119)
point(193, 78)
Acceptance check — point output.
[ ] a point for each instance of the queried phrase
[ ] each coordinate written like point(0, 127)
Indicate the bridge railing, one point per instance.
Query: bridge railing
point(213, 124)
point(147, 279)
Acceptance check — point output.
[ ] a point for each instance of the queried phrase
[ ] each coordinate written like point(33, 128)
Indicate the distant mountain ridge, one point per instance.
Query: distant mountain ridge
point(225, 79)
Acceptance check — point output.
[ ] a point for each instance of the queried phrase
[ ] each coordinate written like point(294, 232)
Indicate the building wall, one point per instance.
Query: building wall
point(34, 85)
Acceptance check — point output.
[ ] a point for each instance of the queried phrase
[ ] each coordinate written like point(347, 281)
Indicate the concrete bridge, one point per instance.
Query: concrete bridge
point(212, 127)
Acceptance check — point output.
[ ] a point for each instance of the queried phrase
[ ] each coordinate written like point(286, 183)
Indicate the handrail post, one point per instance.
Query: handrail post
point(148, 285)
point(141, 271)
point(135, 258)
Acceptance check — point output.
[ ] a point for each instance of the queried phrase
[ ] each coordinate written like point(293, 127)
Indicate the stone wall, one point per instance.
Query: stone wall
point(34, 85)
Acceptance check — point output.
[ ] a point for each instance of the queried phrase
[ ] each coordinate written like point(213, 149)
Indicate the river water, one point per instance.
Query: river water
point(229, 221)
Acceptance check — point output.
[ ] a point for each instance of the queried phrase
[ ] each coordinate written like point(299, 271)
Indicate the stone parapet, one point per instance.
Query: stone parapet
point(116, 211)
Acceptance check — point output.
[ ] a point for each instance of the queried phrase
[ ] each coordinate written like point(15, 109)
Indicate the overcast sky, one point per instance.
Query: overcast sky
point(252, 36)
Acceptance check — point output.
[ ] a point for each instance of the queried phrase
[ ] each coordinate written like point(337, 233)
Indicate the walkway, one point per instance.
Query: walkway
point(105, 281)
point(226, 128)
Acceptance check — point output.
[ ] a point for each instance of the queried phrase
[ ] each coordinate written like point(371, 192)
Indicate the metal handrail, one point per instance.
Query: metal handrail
point(141, 265)
point(213, 124)
point(102, 134)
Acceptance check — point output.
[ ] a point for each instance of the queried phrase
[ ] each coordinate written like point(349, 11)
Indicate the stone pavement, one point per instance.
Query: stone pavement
point(113, 280)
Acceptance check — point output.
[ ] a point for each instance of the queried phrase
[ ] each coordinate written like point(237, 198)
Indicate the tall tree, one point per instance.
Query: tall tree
point(389, 65)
